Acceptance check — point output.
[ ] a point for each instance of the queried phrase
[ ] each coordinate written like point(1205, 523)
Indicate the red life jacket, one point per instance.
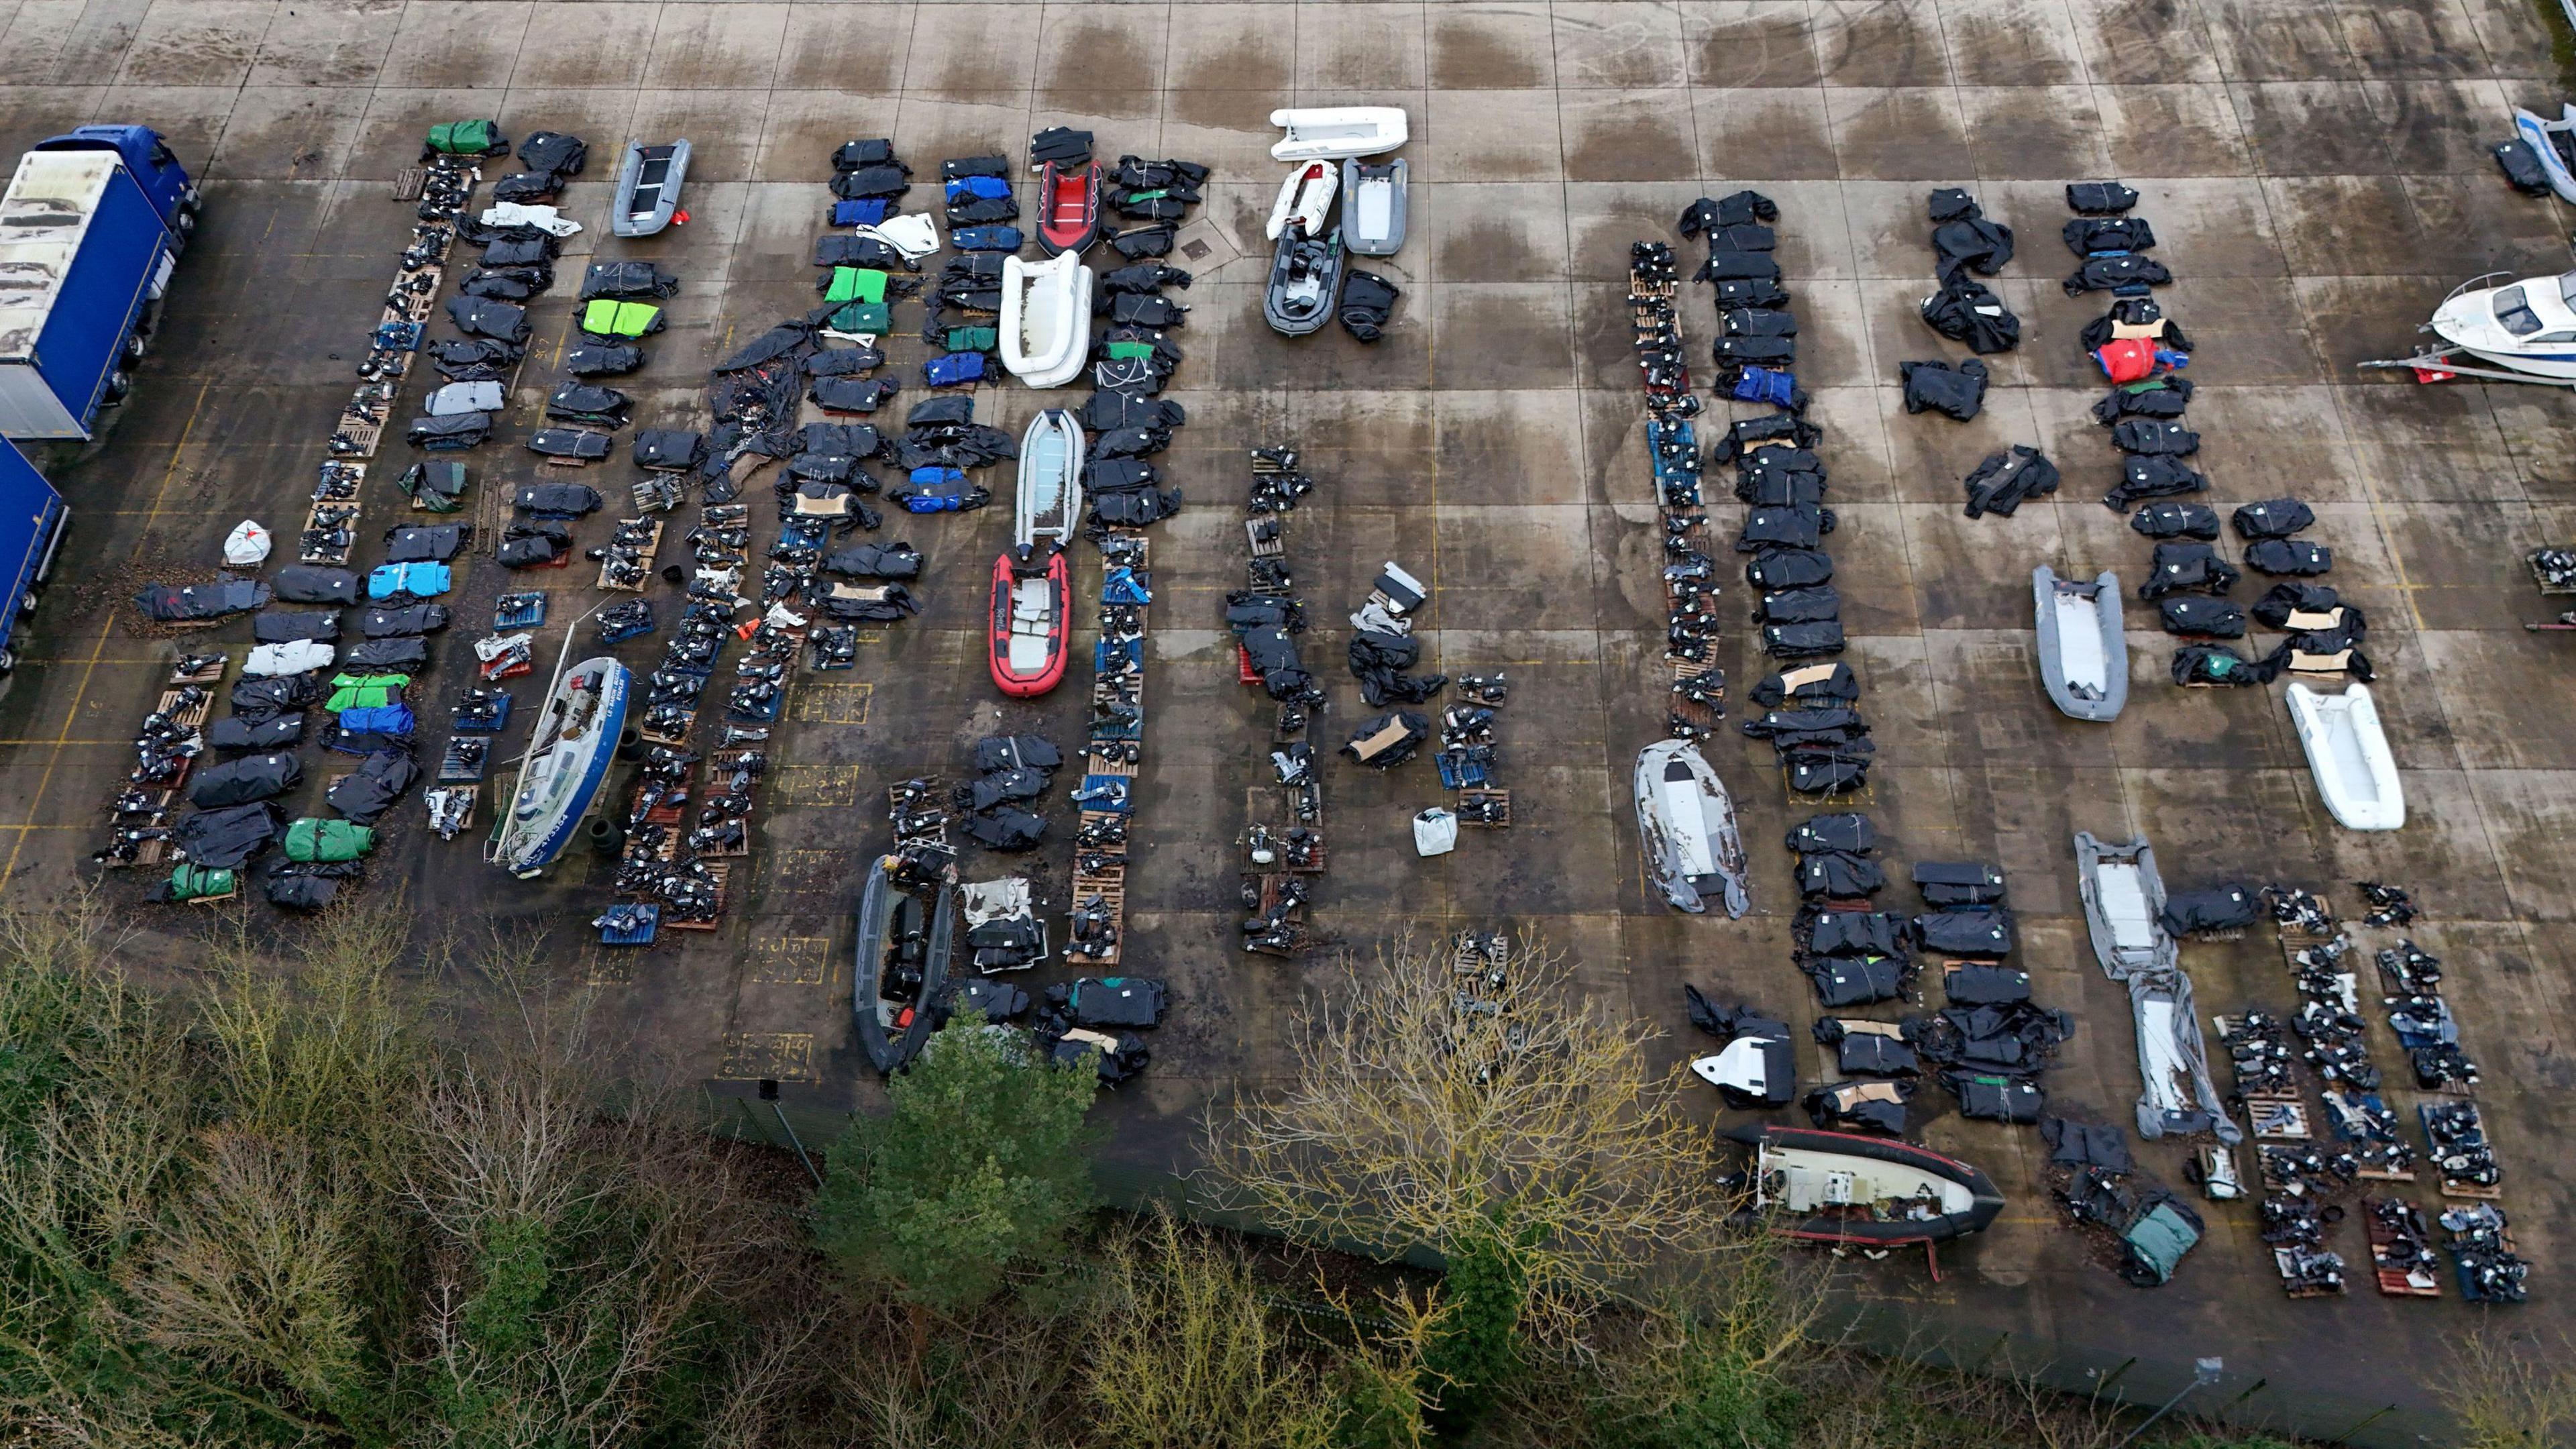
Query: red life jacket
point(2130, 359)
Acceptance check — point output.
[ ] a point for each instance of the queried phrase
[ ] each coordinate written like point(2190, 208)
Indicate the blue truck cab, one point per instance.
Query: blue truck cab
point(90, 228)
point(165, 183)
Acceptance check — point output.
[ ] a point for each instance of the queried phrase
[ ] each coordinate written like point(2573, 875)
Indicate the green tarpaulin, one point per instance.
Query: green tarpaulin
point(2158, 1240)
point(867, 319)
point(1124, 350)
point(467, 138)
point(365, 691)
point(317, 839)
point(195, 882)
point(974, 339)
point(608, 318)
point(856, 284)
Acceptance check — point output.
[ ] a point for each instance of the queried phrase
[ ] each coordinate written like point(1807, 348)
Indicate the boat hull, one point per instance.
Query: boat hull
point(624, 217)
point(2100, 653)
point(1305, 203)
point(1045, 330)
point(1331, 133)
point(2348, 754)
point(890, 1048)
point(1691, 859)
point(1023, 683)
point(1068, 208)
point(526, 847)
point(1281, 306)
point(1374, 200)
point(2539, 134)
point(1050, 480)
point(1985, 1201)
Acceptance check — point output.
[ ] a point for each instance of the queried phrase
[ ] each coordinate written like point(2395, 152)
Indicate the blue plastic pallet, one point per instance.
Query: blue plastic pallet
point(630, 925)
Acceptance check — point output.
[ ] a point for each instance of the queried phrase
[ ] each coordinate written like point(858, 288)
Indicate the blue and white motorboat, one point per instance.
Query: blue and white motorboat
point(2554, 142)
point(575, 739)
point(2525, 330)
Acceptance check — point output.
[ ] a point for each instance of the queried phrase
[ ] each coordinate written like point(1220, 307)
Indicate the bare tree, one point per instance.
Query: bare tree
point(2510, 1389)
point(1429, 1109)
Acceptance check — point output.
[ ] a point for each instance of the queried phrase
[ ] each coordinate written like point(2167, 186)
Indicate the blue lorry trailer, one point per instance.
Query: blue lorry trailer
point(31, 529)
point(90, 227)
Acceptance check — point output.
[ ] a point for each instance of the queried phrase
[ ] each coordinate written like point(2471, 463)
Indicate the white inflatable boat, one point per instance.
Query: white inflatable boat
point(2355, 773)
point(1046, 319)
point(1305, 200)
point(1335, 132)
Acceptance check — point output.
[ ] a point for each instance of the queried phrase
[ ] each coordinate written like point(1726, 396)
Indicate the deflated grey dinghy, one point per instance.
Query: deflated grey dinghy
point(1687, 824)
point(2124, 902)
point(2083, 656)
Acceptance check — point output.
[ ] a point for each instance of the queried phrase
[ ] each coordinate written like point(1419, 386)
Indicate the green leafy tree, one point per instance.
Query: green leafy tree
point(984, 1162)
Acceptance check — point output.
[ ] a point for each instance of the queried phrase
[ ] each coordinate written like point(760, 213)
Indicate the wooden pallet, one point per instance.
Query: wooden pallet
point(1704, 716)
point(723, 873)
point(652, 549)
point(2394, 1282)
point(1466, 959)
point(473, 803)
point(313, 521)
point(674, 740)
point(1487, 796)
point(2281, 1265)
point(1113, 895)
point(1274, 548)
point(410, 182)
point(2259, 1104)
point(2542, 583)
point(210, 674)
point(1273, 890)
point(192, 716)
point(365, 438)
point(2472, 1191)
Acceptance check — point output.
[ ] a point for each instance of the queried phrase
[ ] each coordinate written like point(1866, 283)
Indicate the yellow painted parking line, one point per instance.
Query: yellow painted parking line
point(792, 961)
point(840, 704)
point(828, 786)
point(774, 1056)
point(53, 757)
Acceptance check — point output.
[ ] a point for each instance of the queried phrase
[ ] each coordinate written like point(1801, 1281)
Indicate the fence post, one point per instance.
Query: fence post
point(2382, 1412)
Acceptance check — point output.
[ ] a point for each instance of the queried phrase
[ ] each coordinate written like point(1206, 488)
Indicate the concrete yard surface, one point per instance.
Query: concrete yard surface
point(2317, 175)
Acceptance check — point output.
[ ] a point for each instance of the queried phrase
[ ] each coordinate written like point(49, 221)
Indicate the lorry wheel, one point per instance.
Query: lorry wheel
point(27, 603)
point(187, 224)
point(190, 203)
point(118, 385)
point(8, 662)
point(134, 349)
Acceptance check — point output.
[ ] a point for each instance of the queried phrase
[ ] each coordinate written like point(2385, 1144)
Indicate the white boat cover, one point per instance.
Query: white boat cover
point(544, 218)
point(914, 234)
point(1331, 133)
point(2348, 754)
point(296, 656)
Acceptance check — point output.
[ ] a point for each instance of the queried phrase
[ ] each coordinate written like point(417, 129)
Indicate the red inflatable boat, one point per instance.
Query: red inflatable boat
point(1032, 593)
point(1068, 207)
